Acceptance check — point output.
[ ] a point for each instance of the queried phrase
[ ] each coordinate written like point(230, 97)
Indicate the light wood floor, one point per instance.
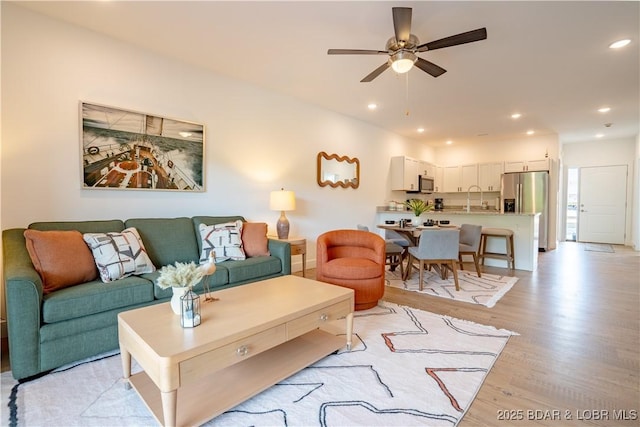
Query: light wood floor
point(578, 351)
point(578, 317)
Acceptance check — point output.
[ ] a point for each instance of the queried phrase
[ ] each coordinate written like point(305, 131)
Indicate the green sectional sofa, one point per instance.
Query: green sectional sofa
point(50, 329)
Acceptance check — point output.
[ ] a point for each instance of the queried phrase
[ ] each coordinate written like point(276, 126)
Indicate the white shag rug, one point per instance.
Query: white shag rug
point(407, 367)
point(485, 290)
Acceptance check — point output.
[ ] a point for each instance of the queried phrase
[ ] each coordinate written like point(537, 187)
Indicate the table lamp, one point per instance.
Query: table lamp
point(282, 201)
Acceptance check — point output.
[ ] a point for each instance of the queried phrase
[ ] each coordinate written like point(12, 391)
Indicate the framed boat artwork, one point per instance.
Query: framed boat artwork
point(129, 150)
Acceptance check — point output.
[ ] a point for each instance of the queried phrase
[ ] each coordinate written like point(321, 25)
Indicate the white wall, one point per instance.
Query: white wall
point(635, 226)
point(533, 147)
point(617, 152)
point(256, 140)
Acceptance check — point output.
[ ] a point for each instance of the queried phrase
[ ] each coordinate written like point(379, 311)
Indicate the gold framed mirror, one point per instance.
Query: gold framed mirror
point(338, 171)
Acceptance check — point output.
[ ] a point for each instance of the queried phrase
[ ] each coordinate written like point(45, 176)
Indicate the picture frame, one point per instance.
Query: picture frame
point(129, 150)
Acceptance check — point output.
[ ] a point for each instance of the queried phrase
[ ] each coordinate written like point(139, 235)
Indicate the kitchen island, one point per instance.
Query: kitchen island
point(525, 228)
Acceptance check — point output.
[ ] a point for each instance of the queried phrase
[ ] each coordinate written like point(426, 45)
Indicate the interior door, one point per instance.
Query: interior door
point(602, 204)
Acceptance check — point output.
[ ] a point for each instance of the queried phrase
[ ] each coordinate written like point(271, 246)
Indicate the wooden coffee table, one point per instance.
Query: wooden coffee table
point(254, 336)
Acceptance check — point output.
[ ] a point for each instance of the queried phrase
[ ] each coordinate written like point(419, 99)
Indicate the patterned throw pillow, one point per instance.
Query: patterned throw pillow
point(225, 239)
point(119, 255)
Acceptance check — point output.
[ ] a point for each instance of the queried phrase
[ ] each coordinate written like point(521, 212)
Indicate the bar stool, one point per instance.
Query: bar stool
point(503, 233)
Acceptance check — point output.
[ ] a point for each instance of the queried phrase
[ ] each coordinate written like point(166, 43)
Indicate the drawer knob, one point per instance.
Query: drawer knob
point(324, 317)
point(242, 351)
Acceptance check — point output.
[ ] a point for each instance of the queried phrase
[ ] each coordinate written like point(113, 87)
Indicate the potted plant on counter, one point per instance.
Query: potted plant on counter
point(418, 207)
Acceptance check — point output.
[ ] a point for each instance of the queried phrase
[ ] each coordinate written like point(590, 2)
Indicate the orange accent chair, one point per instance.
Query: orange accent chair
point(354, 259)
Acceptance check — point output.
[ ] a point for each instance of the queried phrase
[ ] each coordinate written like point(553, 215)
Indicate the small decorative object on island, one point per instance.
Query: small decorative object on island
point(208, 268)
point(418, 207)
point(182, 277)
point(190, 309)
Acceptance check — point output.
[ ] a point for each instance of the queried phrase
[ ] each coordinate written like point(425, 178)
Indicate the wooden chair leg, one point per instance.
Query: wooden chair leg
point(475, 261)
point(408, 270)
point(455, 274)
point(460, 262)
point(421, 275)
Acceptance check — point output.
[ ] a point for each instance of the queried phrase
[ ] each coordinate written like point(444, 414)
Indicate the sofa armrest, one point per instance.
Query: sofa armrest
point(281, 250)
point(23, 290)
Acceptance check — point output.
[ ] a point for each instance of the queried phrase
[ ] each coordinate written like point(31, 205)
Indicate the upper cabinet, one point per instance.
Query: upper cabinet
point(527, 166)
point(439, 180)
point(489, 176)
point(404, 174)
point(459, 178)
point(426, 169)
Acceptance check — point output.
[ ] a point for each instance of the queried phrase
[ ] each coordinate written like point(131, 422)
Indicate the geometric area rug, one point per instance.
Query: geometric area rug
point(485, 290)
point(406, 367)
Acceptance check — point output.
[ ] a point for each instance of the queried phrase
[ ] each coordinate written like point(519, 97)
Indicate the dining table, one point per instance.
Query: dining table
point(412, 233)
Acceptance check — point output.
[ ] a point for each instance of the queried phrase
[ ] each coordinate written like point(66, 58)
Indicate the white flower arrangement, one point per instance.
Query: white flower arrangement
point(182, 275)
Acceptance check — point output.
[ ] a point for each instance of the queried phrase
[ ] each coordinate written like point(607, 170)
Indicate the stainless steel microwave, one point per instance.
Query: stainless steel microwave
point(425, 184)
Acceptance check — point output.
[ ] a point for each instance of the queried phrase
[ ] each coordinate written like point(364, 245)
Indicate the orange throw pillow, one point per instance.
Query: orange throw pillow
point(62, 258)
point(254, 239)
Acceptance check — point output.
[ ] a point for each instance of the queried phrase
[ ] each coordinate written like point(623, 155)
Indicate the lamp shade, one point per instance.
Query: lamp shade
point(282, 200)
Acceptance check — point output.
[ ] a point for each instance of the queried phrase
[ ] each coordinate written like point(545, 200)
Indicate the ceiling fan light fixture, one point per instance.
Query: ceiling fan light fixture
point(402, 62)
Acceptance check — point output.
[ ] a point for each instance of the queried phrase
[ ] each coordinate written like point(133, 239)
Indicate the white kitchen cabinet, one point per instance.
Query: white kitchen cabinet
point(468, 176)
point(404, 174)
point(527, 166)
point(451, 179)
point(426, 169)
point(489, 176)
point(459, 178)
point(439, 180)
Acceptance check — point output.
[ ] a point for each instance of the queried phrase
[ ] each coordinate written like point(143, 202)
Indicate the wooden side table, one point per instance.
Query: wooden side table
point(298, 247)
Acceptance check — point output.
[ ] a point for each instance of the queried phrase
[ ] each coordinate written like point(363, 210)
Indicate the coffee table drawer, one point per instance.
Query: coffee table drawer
point(314, 320)
point(195, 368)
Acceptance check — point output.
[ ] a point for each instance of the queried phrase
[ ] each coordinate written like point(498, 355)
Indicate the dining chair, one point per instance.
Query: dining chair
point(469, 244)
point(438, 248)
point(394, 253)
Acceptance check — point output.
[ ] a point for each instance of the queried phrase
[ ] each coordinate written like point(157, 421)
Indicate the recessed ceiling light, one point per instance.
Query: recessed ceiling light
point(185, 134)
point(516, 115)
point(530, 132)
point(449, 142)
point(420, 130)
point(372, 106)
point(619, 44)
point(599, 135)
point(604, 109)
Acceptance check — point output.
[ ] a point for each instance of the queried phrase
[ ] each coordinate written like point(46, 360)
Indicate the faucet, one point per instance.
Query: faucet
point(469, 195)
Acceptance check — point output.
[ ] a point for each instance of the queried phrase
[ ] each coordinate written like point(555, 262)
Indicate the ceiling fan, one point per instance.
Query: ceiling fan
point(402, 48)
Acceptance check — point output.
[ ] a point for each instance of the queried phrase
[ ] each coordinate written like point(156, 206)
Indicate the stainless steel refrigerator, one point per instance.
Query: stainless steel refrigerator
point(527, 192)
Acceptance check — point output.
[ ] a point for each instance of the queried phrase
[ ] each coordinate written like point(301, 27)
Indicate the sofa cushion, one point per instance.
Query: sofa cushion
point(217, 279)
point(225, 239)
point(81, 226)
point(119, 254)
point(94, 297)
point(251, 269)
point(61, 258)
point(168, 240)
point(254, 239)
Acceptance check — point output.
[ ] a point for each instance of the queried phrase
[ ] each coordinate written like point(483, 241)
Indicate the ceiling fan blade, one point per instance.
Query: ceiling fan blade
point(430, 67)
point(356, 52)
point(402, 23)
point(462, 38)
point(375, 73)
